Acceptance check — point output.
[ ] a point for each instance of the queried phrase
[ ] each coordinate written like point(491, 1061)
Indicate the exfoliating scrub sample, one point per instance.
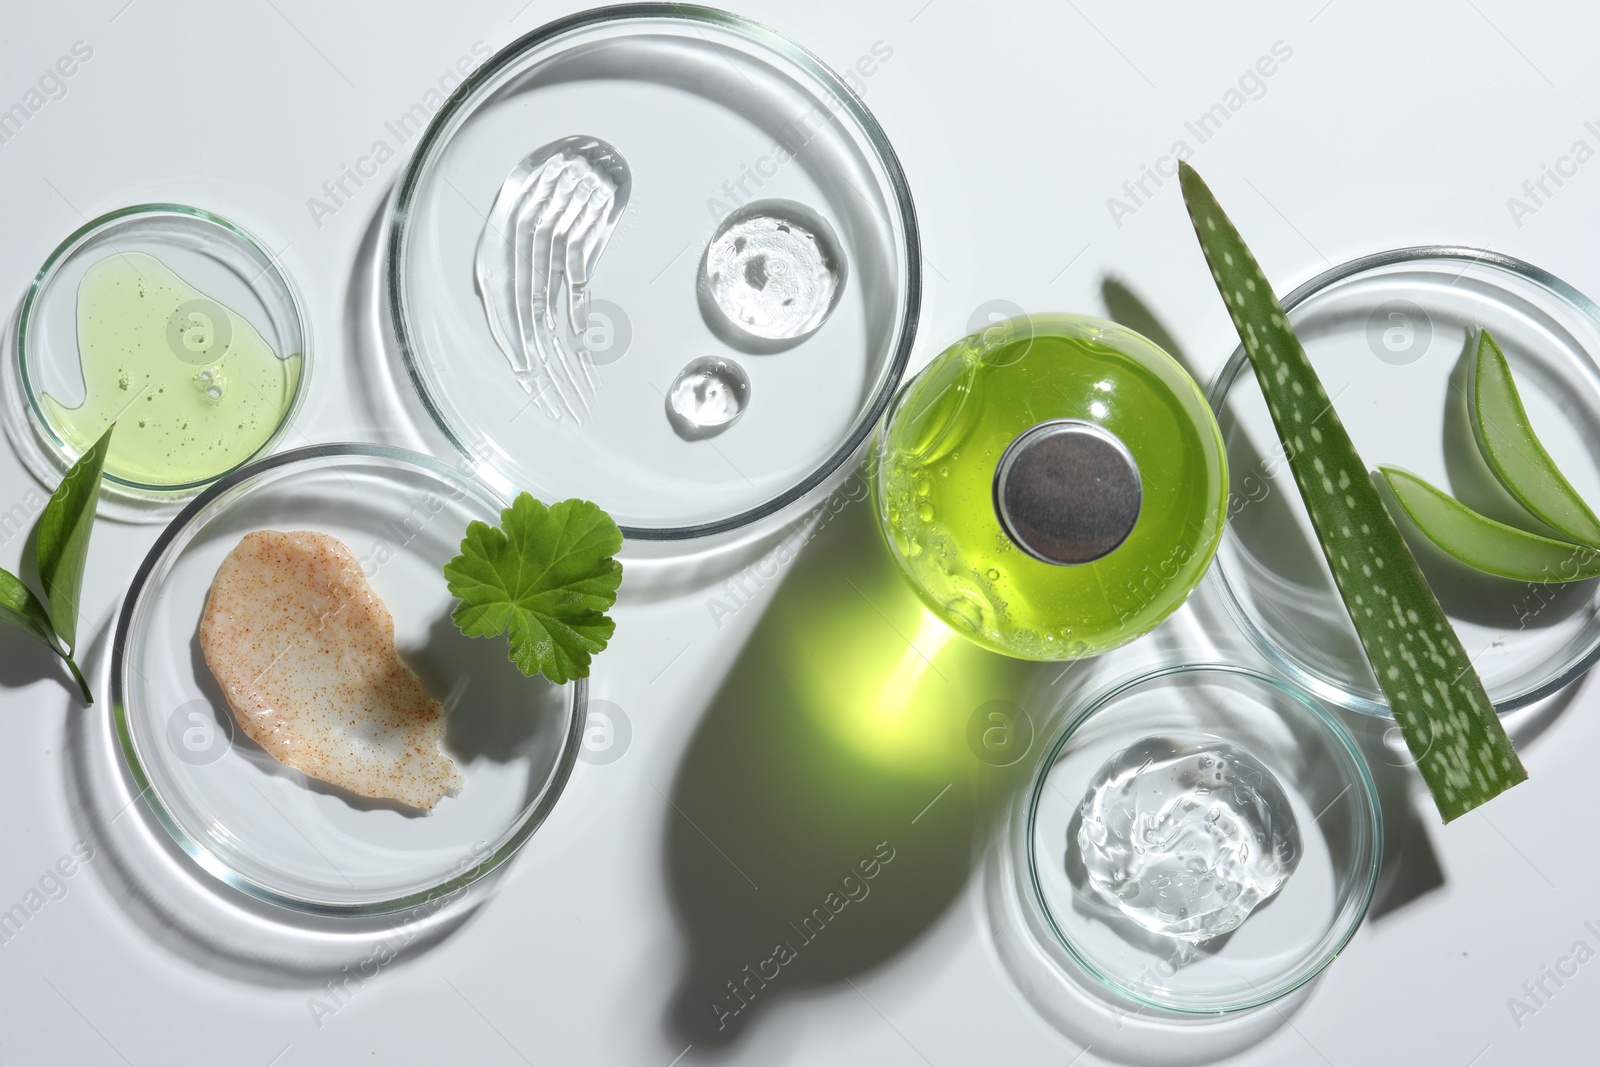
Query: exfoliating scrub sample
point(303, 649)
point(192, 386)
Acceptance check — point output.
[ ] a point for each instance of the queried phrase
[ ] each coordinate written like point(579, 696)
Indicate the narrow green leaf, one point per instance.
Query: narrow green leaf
point(1443, 711)
point(1484, 543)
point(64, 530)
point(20, 608)
point(1514, 452)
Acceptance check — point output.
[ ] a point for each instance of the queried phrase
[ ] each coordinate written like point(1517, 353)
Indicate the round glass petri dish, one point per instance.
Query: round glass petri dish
point(688, 114)
point(174, 323)
point(268, 830)
point(1289, 937)
point(1393, 336)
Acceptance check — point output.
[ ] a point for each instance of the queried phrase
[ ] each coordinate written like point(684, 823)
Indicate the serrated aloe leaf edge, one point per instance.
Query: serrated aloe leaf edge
point(1444, 713)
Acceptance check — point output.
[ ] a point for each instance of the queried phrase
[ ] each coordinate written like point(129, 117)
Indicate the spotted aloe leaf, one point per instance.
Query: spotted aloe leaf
point(1443, 711)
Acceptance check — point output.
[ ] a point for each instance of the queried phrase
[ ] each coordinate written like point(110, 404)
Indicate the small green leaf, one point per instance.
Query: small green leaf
point(1485, 544)
point(64, 530)
point(1514, 453)
point(20, 608)
point(545, 578)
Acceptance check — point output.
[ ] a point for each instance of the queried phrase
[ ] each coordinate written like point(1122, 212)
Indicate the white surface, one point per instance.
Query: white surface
point(1388, 126)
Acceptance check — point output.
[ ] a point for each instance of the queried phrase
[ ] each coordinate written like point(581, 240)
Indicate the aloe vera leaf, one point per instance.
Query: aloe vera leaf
point(1443, 711)
point(1485, 544)
point(1512, 449)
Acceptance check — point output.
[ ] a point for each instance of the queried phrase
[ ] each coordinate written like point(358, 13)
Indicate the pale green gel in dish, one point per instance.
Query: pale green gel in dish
point(193, 387)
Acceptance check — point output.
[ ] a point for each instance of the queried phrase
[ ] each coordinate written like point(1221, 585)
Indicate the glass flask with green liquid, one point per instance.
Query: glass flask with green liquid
point(1052, 487)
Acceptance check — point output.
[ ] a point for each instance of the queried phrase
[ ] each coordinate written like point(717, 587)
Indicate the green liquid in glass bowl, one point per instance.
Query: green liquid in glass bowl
point(1149, 468)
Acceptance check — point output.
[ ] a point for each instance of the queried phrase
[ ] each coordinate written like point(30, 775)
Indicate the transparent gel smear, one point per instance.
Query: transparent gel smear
point(771, 274)
point(1186, 835)
point(707, 397)
point(552, 219)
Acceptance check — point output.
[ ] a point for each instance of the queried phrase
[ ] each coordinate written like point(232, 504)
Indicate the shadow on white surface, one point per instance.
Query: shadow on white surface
point(825, 813)
point(1089, 1016)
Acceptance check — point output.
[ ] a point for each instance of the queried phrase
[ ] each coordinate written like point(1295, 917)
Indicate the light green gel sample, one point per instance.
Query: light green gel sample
point(192, 386)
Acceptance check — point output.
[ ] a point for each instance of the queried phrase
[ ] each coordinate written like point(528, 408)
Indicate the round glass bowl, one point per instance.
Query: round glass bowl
point(1052, 487)
point(1288, 938)
point(707, 113)
point(269, 830)
point(1393, 336)
point(176, 324)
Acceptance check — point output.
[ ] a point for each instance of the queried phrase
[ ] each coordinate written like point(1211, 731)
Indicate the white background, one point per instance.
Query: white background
point(1390, 125)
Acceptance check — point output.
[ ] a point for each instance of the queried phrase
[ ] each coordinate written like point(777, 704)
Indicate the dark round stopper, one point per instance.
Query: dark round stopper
point(1067, 491)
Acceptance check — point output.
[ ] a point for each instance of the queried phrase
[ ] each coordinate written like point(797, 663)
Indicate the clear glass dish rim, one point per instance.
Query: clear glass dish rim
point(1217, 395)
point(207, 860)
point(1107, 695)
point(434, 137)
point(70, 246)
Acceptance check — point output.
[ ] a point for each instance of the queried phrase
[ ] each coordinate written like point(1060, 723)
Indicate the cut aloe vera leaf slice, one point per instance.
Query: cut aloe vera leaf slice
point(1514, 453)
point(1443, 711)
point(1483, 543)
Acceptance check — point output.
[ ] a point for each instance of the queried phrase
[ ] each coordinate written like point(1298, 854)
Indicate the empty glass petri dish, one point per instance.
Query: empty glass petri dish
point(1392, 336)
point(268, 830)
point(1296, 759)
point(177, 325)
point(683, 116)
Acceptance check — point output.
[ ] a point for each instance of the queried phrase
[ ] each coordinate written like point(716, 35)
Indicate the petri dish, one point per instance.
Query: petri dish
point(1288, 938)
point(173, 322)
point(268, 830)
point(1392, 336)
point(709, 113)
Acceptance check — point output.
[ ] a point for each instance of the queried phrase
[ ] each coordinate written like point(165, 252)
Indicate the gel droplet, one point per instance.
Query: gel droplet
point(707, 397)
point(772, 272)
